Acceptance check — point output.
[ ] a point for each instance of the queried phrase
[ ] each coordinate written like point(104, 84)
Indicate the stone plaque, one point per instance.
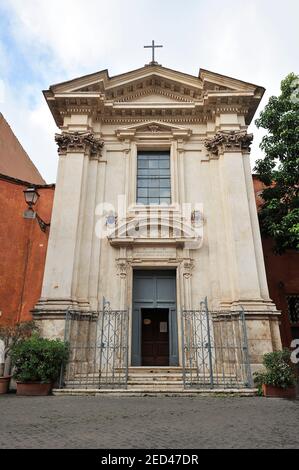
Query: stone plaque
point(152, 252)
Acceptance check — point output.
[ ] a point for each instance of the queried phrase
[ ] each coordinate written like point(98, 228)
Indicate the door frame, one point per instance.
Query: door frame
point(136, 330)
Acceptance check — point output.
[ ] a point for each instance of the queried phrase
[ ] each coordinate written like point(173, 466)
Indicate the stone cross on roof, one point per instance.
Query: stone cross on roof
point(153, 47)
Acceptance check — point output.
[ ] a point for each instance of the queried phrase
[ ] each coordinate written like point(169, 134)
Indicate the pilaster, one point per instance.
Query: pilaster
point(94, 271)
point(59, 285)
point(231, 148)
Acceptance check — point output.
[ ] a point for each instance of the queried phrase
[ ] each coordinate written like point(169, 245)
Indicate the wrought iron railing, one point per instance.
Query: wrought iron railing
point(214, 345)
point(98, 344)
point(215, 349)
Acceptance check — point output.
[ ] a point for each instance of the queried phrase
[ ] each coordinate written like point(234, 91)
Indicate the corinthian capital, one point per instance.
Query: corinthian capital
point(229, 141)
point(79, 142)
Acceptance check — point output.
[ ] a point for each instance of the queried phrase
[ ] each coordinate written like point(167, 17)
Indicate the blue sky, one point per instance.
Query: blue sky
point(44, 42)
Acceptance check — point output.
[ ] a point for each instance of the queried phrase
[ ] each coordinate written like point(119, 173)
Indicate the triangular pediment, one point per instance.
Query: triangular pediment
point(150, 125)
point(154, 77)
point(154, 96)
point(151, 86)
point(154, 128)
point(131, 82)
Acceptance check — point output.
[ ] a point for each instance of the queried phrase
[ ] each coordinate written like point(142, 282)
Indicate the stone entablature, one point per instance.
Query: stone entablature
point(182, 97)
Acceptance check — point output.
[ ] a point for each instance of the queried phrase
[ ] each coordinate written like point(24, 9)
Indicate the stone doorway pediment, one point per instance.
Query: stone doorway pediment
point(153, 129)
point(156, 231)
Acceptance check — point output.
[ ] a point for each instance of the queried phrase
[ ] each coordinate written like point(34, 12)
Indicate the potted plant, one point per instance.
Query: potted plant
point(37, 363)
point(10, 335)
point(279, 378)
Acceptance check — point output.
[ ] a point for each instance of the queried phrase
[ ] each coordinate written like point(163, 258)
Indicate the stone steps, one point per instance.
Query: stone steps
point(152, 379)
point(147, 380)
point(246, 392)
point(161, 378)
point(162, 386)
point(154, 370)
point(164, 379)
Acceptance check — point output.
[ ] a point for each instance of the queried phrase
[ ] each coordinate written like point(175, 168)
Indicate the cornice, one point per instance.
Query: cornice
point(100, 96)
point(208, 76)
point(170, 120)
point(180, 111)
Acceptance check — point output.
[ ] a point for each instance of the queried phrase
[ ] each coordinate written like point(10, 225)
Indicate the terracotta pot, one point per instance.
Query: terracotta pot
point(279, 392)
point(4, 384)
point(33, 389)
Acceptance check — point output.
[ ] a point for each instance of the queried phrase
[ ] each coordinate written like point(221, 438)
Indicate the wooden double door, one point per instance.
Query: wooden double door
point(155, 337)
point(154, 319)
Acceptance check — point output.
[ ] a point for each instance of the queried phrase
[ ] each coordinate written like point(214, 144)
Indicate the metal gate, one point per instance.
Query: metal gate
point(98, 344)
point(215, 349)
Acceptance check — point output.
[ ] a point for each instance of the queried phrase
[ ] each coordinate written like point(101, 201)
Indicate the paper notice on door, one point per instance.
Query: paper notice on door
point(163, 327)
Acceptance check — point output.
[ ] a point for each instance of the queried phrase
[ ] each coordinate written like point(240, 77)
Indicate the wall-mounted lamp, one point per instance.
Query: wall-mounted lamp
point(31, 197)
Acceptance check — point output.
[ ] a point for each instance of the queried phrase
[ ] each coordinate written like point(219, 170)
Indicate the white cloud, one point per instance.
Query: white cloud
point(2, 91)
point(78, 34)
point(34, 128)
point(255, 41)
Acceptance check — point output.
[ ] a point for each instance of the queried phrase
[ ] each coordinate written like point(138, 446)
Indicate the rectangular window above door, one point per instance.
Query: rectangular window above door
point(153, 178)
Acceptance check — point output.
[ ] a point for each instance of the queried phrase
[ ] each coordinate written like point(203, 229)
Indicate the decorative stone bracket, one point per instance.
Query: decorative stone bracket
point(229, 141)
point(122, 267)
point(188, 266)
point(78, 142)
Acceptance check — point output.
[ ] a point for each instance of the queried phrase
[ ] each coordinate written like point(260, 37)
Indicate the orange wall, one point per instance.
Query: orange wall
point(14, 161)
point(283, 279)
point(282, 275)
point(22, 250)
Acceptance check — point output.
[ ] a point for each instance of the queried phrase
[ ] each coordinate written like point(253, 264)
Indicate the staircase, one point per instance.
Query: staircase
point(155, 379)
point(145, 381)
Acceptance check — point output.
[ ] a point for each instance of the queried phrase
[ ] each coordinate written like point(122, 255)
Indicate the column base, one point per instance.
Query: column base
point(250, 305)
point(262, 325)
point(57, 308)
point(50, 315)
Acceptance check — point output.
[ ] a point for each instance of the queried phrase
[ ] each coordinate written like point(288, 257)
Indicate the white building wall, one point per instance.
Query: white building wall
point(228, 267)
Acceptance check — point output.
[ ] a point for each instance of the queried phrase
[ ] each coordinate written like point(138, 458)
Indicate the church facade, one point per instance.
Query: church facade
point(154, 236)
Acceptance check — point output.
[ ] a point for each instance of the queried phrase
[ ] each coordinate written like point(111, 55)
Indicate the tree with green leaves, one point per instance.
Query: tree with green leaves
point(279, 169)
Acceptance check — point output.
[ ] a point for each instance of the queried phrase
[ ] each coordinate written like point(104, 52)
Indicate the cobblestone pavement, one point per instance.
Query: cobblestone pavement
point(148, 422)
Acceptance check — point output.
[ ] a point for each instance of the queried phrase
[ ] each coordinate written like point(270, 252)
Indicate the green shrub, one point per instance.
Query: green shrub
point(11, 335)
point(278, 370)
point(38, 359)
